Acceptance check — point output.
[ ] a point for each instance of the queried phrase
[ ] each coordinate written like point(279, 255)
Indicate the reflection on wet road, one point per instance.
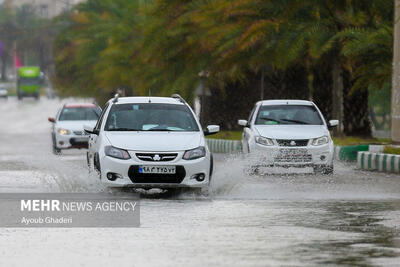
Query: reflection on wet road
point(349, 218)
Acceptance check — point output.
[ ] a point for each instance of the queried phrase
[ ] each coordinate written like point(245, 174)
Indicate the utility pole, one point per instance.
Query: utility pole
point(203, 82)
point(262, 83)
point(395, 127)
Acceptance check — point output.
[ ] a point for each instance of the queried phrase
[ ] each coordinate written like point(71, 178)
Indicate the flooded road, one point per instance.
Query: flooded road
point(349, 218)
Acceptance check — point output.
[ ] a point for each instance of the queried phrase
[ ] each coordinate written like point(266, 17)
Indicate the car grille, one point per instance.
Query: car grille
point(292, 142)
point(78, 143)
point(149, 178)
point(156, 156)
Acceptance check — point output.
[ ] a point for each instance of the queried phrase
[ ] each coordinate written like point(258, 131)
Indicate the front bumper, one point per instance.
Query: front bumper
point(186, 170)
point(71, 141)
point(307, 156)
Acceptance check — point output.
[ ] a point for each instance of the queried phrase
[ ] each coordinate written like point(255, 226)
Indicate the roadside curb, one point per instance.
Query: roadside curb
point(224, 146)
point(378, 162)
point(349, 153)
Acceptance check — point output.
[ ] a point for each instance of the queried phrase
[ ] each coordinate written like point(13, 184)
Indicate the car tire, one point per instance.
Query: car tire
point(88, 162)
point(56, 151)
point(96, 164)
point(211, 167)
point(323, 169)
point(327, 170)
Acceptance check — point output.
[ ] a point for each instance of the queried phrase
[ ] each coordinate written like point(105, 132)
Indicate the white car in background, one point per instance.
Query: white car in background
point(150, 142)
point(288, 133)
point(67, 130)
point(3, 91)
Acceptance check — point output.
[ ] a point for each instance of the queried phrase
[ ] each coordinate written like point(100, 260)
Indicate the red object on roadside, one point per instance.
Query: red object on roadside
point(17, 62)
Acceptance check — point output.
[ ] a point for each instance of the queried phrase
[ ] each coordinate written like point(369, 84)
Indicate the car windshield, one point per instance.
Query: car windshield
point(288, 114)
point(79, 114)
point(150, 117)
point(30, 81)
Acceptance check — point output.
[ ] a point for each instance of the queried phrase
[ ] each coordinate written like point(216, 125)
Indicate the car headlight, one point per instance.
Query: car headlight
point(195, 153)
point(64, 131)
point(320, 141)
point(264, 141)
point(116, 152)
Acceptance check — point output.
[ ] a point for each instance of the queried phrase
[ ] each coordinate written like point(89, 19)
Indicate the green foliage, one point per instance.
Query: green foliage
point(30, 34)
point(163, 45)
point(391, 150)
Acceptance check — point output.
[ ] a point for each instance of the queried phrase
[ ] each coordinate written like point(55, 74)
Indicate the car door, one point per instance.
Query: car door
point(94, 139)
point(54, 125)
point(247, 132)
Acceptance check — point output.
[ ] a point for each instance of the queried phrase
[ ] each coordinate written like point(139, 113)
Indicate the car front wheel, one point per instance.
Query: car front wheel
point(323, 169)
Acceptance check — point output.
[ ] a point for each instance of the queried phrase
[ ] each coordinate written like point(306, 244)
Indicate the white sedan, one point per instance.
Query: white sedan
point(288, 133)
point(3, 91)
point(150, 142)
point(67, 129)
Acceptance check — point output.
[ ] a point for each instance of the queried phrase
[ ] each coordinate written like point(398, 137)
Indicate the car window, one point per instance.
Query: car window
point(100, 120)
point(251, 114)
point(150, 117)
point(79, 114)
point(288, 114)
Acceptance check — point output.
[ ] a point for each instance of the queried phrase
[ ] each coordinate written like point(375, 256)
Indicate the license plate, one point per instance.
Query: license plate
point(157, 169)
point(293, 152)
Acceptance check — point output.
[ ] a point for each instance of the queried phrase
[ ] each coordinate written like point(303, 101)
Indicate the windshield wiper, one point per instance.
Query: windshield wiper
point(295, 121)
point(269, 119)
point(123, 130)
point(159, 130)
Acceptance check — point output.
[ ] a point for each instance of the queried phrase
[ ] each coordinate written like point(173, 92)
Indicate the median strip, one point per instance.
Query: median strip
point(378, 162)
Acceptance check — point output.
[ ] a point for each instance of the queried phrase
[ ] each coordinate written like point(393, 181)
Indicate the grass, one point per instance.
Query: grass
point(227, 135)
point(354, 140)
point(341, 141)
point(391, 150)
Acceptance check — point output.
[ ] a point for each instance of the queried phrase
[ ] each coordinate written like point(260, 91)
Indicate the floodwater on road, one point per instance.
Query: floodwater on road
point(349, 218)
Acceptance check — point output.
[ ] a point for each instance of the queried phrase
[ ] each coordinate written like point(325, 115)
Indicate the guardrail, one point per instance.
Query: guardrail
point(224, 146)
point(378, 162)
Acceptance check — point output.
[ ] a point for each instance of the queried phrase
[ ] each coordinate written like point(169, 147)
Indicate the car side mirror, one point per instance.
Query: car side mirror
point(333, 123)
point(242, 123)
point(90, 130)
point(52, 120)
point(211, 129)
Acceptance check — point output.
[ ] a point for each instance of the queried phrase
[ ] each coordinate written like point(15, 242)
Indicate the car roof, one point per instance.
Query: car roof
point(79, 105)
point(148, 99)
point(286, 102)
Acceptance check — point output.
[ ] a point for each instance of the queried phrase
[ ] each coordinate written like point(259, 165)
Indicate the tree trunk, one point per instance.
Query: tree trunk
point(395, 128)
point(4, 65)
point(337, 96)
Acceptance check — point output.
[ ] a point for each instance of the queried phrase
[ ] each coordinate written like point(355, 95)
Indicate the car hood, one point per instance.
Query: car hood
point(74, 125)
point(155, 141)
point(292, 131)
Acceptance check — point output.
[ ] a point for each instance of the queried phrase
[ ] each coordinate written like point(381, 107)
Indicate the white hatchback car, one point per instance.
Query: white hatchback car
point(67, 130)
point(288, 133)
point(150, 142)
point(3, 91)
